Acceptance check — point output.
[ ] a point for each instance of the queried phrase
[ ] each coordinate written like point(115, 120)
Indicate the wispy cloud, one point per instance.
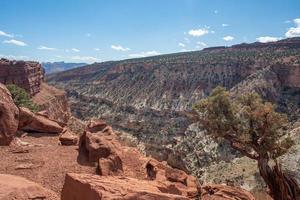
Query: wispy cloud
point(202, 44)
point(75, 50)
point(181, 44)
point(46, 48)
point(265, 39)
point(119, 48)
point(88, 35)
point(198, 32)
point(85, 58)
point(228, 38)
point(294, 31)
point(96, 49)
point(216, 11)
point(144, 54)
point(225, 25)
point(2, 33)
point(15, 42)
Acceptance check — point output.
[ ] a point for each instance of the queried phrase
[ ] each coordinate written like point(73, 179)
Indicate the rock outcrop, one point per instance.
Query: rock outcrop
point(9, 117)
point(68, 138)
point(53, 102)
point(14, 187)
point(29, 121)
point(100, 144)
point(27, 75)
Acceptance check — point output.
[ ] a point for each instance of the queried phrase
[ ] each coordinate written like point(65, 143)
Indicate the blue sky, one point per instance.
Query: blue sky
point(100, 30)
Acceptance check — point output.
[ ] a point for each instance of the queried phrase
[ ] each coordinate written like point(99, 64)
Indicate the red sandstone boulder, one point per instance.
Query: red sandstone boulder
point(9, 115)
point(223, 192)
point(93, 187)
point(14, 187)
point(110, 166)
point(28, 121)
point(68, 138)
point(53, 102)
point(98, 125)
point(97, 145)
point(181, 182)
point(98, 141)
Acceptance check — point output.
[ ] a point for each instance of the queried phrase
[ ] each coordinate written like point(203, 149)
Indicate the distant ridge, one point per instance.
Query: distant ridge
point(52, 67)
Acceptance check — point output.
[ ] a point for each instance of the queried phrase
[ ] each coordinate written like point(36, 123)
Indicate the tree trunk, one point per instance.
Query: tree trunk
point(282, 186)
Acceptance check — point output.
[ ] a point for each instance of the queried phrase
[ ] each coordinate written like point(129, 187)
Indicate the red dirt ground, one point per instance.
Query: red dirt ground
point(41, 159)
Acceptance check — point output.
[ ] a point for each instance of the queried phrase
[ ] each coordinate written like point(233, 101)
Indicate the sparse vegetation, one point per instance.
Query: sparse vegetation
point(255, 129)
point(22, 98)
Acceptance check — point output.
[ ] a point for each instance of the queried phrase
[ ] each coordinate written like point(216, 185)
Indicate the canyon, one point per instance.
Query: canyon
point(127, 129)
point(150, 100)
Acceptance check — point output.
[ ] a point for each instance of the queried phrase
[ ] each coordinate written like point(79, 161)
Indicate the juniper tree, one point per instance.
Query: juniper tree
point(255, 129)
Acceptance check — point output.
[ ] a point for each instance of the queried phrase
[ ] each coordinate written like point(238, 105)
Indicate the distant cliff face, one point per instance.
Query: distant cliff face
point(152, 97)
point(27, 75)
point(52, 67)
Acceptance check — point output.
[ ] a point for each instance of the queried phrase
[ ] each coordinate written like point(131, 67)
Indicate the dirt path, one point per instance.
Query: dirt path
point(42, 160)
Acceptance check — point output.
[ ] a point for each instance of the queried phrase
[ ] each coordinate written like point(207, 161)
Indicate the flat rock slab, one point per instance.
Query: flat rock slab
point(94, 187)
point(15, 187)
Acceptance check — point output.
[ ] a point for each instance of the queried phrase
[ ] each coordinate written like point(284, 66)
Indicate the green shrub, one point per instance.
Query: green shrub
point(22, 98)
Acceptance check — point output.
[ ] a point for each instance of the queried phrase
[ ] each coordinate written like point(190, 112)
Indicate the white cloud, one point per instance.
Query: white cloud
point(119, 48)
point(185, 50)
point(85, 58)
point(12, 57)
point(266, 39)
point(75, 50)
point(225, 25)
point(228, 38)
point(294, 31)
point(96, 49)
point(2, 33)
point(144, 54)
point(181, 44)
point(297, 21)
point(15, 42)
point(46, 48)
point(202, 44)
point(216, 11)
point(198, 32)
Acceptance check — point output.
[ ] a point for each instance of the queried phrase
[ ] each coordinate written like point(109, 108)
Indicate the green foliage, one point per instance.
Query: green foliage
point(22, 98)
point(252, 126)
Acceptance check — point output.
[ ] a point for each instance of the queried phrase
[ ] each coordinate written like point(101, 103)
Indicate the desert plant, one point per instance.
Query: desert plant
point(255, 129)
point(22, 98)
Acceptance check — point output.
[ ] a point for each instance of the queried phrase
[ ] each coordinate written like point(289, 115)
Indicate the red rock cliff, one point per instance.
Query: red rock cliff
point(27, 75)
